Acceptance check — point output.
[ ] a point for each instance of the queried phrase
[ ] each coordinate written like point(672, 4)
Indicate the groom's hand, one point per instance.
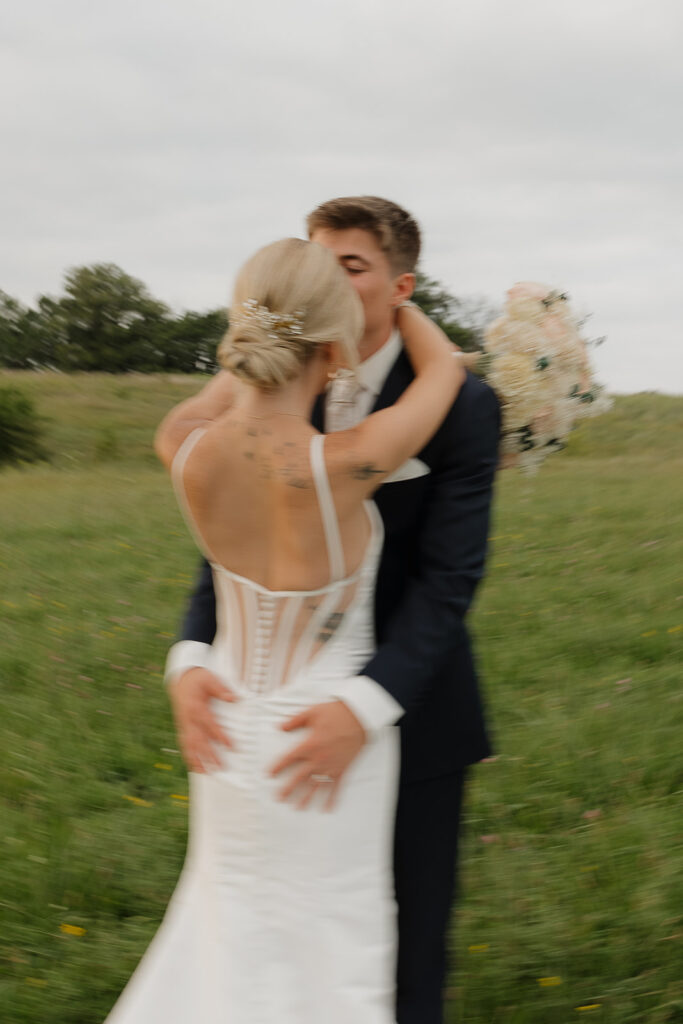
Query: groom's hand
point(191, 695)
point(334, 739)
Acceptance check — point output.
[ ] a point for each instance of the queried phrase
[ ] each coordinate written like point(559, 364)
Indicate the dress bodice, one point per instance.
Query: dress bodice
point(268, 639)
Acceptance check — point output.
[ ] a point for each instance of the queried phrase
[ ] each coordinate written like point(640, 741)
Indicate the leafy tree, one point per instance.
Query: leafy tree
point(13, 321)
point(462, 321)
point(108, 321)
point(191, 341)
point(32, 338)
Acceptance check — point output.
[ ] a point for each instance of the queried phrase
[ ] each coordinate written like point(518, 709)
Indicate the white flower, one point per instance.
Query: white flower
point(514, 377)
point(514, 374)
point(553, 423)
point(525, 301)
point(506, 335)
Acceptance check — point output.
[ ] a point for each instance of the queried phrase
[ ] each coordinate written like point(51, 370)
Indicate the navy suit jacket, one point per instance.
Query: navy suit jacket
point(436, 530)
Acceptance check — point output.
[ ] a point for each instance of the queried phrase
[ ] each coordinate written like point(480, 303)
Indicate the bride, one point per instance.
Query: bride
point(284, 911)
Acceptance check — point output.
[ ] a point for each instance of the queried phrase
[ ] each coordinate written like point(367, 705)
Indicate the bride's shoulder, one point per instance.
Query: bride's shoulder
point(209, 448)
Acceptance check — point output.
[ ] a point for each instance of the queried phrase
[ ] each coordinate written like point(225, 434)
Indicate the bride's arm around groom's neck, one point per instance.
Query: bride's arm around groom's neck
point(201, 410)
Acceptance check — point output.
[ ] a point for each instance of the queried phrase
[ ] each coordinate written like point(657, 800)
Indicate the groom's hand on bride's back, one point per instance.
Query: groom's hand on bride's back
point(198, 730)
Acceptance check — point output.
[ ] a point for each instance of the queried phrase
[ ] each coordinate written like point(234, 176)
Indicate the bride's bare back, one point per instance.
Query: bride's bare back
point(262, 510)
point(249, 488)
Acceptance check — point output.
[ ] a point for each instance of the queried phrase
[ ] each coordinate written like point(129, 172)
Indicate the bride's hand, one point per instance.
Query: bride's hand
point(426, 344)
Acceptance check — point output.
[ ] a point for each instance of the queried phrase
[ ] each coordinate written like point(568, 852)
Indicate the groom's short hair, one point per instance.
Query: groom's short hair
point(396, 232)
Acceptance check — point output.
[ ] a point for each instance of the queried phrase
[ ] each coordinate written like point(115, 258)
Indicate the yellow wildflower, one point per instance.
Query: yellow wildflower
point(137, 800)
point(549, 982)
point(71, 929)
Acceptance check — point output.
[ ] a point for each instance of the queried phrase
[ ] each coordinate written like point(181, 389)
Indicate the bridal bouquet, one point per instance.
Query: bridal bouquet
point(536, 361)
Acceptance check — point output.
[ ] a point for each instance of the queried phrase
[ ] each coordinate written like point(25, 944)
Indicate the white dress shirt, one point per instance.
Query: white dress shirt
point(372, 705)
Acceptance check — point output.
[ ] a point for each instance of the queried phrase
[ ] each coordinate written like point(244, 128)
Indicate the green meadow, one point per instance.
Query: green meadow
point(571, 901)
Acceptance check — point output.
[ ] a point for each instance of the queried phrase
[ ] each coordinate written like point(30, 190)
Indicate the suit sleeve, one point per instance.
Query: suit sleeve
point(199, 623)
point(198, 629)
point(428, 626)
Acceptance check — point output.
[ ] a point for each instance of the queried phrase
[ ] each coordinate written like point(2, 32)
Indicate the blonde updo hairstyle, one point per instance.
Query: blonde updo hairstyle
point(297, 279)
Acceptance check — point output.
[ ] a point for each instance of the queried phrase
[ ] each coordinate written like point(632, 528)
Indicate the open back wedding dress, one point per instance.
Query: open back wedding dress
point(281, 916)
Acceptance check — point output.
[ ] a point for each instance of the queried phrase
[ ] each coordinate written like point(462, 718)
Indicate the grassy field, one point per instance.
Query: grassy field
point(572, 902)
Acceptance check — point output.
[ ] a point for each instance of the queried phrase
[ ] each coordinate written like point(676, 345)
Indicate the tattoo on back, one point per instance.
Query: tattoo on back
point(330, 626)
point(294, 477)
point(366, 471)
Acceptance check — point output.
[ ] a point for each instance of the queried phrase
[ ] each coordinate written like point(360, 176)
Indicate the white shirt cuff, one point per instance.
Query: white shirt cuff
point(185, 655)
point(372, 705)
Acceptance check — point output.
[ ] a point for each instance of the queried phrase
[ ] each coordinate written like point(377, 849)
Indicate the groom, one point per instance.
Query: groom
point(422, 676)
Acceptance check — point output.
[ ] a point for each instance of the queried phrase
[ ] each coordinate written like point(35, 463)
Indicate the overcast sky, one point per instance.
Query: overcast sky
point(532, 140)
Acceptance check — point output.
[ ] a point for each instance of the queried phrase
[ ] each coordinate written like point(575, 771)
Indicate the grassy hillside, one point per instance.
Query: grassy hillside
point(572, 897)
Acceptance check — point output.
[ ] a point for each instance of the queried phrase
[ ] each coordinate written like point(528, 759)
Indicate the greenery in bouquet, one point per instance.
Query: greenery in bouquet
point(536, 360)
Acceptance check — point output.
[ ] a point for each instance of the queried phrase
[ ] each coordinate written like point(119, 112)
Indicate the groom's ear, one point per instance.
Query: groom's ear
point(404, 286)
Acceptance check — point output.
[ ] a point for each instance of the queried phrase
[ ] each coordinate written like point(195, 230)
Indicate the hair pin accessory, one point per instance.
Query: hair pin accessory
point(277, 325)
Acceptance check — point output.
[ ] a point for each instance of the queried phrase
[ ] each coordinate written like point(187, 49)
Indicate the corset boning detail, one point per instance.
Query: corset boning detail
point(266, 640)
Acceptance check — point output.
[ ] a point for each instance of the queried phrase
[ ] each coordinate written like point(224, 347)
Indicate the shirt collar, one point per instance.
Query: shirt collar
point(374, 370)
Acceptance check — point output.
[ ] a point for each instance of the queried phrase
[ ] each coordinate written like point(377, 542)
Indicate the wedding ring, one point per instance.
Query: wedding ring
point(322, 778)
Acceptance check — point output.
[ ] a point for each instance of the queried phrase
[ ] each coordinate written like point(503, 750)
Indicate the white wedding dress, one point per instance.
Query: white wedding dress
point(281, 916)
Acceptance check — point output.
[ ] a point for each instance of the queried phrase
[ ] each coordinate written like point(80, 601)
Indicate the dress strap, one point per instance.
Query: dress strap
point(335, 551)
point(177, 470)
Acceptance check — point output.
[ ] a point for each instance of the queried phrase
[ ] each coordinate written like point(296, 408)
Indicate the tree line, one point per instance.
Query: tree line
point(107, 321)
